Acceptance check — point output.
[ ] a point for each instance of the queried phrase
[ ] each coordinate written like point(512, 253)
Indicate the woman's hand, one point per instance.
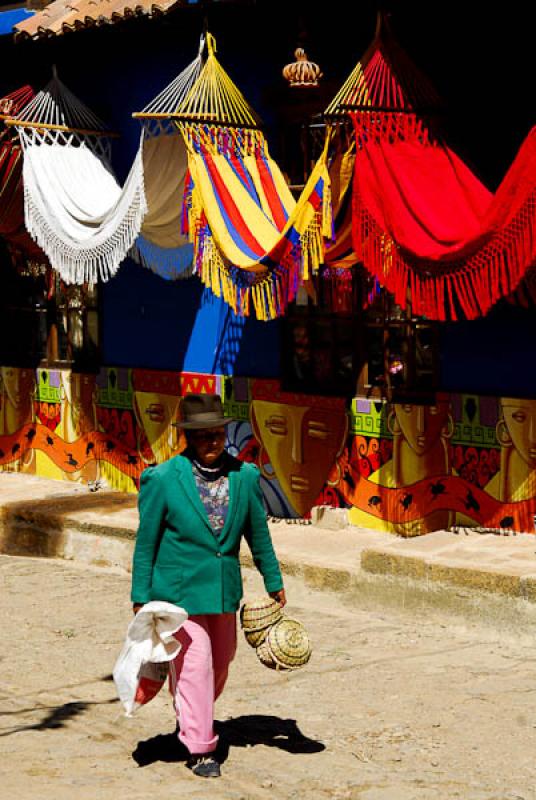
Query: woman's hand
point(280, 596)
point(136, 607)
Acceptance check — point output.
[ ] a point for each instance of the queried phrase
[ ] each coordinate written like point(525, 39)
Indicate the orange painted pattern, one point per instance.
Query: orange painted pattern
point(450, 492)
point(71, 456)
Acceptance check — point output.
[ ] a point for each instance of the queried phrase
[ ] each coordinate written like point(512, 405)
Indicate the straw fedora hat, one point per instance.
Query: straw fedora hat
point(200, 411)
point(286, 646)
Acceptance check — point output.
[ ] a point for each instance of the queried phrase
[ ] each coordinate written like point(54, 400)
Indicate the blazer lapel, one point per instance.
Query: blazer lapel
point(187, 482)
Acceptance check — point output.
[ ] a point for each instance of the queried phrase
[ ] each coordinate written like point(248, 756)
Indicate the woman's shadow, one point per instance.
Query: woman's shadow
point(248, 730)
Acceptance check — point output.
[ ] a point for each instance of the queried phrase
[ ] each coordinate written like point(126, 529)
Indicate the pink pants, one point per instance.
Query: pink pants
point(198, 675)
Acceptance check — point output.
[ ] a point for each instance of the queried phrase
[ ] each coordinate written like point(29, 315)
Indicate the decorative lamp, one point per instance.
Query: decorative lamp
point(302, 72)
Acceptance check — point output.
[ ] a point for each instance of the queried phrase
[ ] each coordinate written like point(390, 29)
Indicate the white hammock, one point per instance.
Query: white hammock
point(161, 247)
point(74, 207)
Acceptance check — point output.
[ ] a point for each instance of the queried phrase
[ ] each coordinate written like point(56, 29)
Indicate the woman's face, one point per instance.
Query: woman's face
point(155, 413)
point(19, 385)
point(208, 444)
point(421, 426)
point(302, 443)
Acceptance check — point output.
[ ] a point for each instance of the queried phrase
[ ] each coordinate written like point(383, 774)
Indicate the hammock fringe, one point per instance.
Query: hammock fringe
point(268, 291)
point(77, 263)
point(268, 285)
point(472, 286)
point(170, 263)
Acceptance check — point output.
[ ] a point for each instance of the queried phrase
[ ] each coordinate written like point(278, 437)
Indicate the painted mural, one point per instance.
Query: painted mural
point(405, 468)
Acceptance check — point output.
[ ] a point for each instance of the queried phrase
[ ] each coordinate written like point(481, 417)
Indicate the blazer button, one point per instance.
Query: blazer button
point(219, 555)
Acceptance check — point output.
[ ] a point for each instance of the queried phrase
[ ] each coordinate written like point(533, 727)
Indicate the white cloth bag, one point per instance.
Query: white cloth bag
point(142, 666)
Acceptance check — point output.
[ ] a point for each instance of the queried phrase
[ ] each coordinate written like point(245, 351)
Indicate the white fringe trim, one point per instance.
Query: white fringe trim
point(78, 263)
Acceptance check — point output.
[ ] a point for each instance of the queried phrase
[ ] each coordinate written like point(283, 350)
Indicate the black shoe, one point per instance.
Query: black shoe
point(204, 765)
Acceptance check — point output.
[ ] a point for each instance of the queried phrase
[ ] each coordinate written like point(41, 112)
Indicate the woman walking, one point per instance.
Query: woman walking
point(194, 510)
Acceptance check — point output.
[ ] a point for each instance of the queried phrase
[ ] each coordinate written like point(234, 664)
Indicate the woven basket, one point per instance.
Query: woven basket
point(288, 644)
point(265, 657)
point(260, 614)
point(255, 638)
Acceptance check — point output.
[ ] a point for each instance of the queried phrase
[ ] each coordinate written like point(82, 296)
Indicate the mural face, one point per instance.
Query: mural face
point(421, 426)
point(516, 432)
point(301, 443)
point(154, 415)
point(404, 468)
point(17, 387)
point(519, 418)
point(78, 416)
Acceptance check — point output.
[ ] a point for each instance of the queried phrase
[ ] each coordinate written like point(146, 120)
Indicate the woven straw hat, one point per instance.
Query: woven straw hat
point(286, 646)
point(258, 615)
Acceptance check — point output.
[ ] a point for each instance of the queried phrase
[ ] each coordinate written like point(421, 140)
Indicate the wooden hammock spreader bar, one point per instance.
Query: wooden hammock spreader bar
point(211, 120)
point(141, 115)
point(12, 122)
point(383, 109)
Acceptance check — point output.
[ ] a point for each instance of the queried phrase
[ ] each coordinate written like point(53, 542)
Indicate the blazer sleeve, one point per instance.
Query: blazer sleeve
point(258, 536)
point(152, 511)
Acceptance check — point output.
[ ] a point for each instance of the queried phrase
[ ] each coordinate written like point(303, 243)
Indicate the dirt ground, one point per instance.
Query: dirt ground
point(394, 705)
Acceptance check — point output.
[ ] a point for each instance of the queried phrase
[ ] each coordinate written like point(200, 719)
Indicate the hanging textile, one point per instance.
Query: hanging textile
point(161, 246)
point(339, 252)
point(21, 245)
point(74, 207)
point(423, 224)
point(427, 228)
point(253, 243)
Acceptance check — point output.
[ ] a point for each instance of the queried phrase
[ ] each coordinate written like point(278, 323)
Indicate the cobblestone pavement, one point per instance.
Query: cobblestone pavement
point(394, 705)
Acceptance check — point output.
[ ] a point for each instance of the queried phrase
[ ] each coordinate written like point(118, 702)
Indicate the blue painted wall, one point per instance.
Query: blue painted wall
point(493, 355)
point(180, 325)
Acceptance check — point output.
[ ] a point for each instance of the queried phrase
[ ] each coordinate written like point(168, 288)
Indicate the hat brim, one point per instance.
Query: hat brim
point(209, 423)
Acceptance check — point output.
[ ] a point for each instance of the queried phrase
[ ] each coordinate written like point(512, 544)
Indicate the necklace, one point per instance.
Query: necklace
point(208, 473)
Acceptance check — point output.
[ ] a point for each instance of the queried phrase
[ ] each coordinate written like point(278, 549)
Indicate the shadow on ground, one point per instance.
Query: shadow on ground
point(56, 716)
point(245, 731)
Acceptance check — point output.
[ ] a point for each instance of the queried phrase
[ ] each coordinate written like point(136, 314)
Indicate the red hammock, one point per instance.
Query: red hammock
point(422, 223)
point(21, 245)
point(430, 231)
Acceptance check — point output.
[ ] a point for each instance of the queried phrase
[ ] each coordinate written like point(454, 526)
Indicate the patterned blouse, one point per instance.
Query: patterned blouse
point(213, 488)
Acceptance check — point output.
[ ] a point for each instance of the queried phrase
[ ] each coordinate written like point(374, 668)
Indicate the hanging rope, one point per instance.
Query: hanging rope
point(215, 99)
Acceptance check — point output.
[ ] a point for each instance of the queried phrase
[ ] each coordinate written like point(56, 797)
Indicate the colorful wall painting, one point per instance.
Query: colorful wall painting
point(406, 468)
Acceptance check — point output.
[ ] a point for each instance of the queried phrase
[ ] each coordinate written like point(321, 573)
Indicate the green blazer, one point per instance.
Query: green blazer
point(177, 555)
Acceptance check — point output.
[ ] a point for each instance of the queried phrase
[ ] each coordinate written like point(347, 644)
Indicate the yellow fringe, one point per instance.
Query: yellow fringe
point(215, 275)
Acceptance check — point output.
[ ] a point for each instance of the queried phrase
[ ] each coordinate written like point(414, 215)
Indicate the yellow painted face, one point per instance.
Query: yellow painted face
point(520, 420)
point(421, 426)
point(155, 413)
point(302, 443)
point(18, 386)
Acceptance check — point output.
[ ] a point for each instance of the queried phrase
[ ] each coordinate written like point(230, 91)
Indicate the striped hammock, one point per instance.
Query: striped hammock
point(254, 244)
